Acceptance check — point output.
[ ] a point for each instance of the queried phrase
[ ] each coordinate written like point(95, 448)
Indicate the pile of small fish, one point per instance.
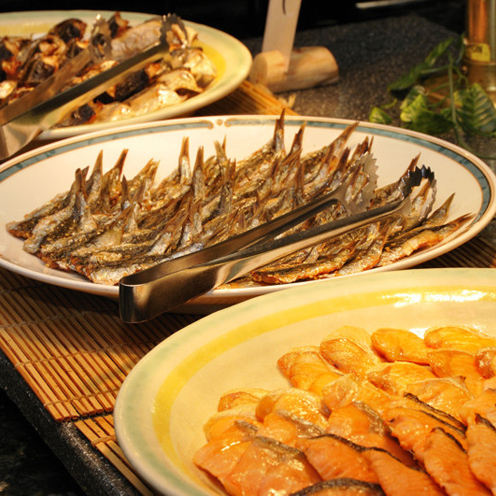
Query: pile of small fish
point(25, 62)
point(388, 413)
point(107, 226)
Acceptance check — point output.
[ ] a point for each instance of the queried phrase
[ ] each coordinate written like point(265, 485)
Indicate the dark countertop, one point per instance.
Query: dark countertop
point(37, 454)
point(369, 55)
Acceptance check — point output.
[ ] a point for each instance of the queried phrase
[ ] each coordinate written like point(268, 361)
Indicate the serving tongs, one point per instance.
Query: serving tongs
point(151, 292)
point(47, 104)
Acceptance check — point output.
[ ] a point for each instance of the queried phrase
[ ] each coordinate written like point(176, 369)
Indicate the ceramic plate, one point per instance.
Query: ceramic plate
point(37, 176)
point(167, 398)
point(231, 58)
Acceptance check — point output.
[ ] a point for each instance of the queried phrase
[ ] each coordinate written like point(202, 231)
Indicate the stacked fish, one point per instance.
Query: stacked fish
point(27, 62)
point(107, 226)
point(388, 413)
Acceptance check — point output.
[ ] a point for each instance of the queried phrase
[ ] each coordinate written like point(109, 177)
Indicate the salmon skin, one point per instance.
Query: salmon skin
point(342, 486)
point(481, 439)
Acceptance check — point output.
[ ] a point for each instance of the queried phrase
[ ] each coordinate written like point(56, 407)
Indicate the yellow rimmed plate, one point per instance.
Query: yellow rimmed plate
point(166, 399)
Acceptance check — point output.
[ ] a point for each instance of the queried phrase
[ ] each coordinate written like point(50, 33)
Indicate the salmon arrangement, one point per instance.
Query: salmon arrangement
point(26, 62)
point(388, 413)
point(107, 226)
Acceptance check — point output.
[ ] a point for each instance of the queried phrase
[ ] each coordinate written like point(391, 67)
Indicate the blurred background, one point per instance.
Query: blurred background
point(246, 18)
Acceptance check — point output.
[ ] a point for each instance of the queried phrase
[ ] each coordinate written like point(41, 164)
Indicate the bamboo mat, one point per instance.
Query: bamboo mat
point(248, 99)
point(74, 352)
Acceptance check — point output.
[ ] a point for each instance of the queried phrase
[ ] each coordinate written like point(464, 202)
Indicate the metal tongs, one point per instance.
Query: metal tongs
point(151, 292)
point(47, 104)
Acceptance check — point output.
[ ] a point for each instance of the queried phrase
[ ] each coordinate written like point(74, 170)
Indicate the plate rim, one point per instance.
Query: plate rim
point(204, 303)
point(416, 280)
point(228, 82)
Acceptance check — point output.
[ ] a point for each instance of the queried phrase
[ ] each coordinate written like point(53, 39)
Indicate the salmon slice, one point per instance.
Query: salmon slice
point(411, 427)
point(461, 338)
point(447, 463)
point(306, 369)
point(411, 401)
point(357, 334)
point(445, 394)
point(455, 363)
point(239, 397)
point(397, 479)
point(395, 377)
point(334, 457)
point(220, 455)
point(485, 362)
point(304, 404)
point(484, 405)
point(362, 425)
point(287, 428)
point(216, 426)
point(268, 467)
point(348, 389)
point(348, 356)
point(342, 487)
point(355, 420)
point(233, 406)
point(481, 440)
point(322, 381)
point(399, 344)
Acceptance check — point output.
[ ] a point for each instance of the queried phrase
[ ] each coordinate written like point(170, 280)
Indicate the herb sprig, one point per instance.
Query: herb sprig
point(454, 104)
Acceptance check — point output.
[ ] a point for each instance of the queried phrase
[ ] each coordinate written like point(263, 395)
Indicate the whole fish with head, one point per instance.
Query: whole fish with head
point(63, 221)
point(252, 170)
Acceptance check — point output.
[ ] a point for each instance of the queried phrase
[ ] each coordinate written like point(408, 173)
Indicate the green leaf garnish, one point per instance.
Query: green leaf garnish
point(452, 105)
point(475, 110)
point(379, 116)
point(421, 70)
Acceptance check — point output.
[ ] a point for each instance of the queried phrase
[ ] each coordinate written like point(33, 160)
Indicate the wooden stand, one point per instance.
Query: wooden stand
point(279, 66)
point(308, 67)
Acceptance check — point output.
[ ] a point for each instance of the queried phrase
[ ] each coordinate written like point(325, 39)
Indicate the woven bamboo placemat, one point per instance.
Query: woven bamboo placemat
point(71, 348)
point(248, 99)
point(74, 353)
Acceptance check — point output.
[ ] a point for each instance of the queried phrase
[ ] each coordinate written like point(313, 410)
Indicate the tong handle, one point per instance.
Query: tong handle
point(138, 304)
point(142, 302)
